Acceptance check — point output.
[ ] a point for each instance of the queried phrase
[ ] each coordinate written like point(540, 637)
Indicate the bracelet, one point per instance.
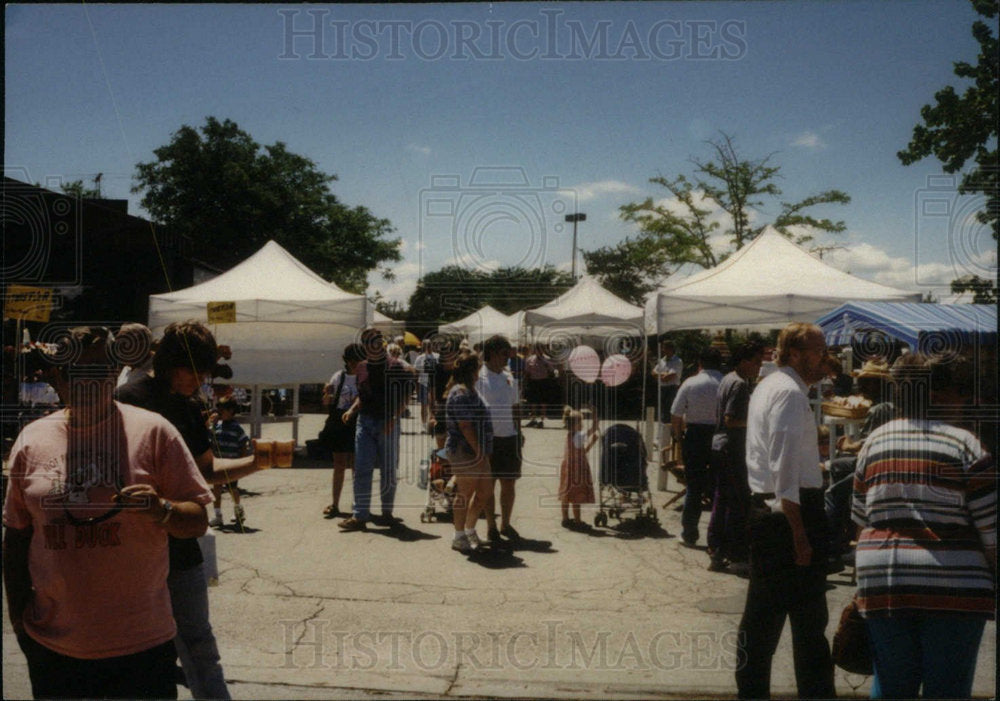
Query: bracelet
point(168, 509)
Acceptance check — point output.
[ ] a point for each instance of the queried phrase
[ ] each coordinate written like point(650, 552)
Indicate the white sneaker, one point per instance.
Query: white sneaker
point(474, 541)
point(461, 544)
point(216, 522)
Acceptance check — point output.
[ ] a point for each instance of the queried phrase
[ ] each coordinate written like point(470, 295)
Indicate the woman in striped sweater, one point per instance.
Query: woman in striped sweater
point(925, 500)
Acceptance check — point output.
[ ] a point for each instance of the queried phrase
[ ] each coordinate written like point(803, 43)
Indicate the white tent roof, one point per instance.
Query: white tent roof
point(587, 309)
point(483, 323)
point(291, 324)
point(766, 284)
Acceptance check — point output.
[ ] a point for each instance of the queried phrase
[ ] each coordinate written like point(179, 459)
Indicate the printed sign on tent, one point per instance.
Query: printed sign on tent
point(221, 312)
point(27, 303)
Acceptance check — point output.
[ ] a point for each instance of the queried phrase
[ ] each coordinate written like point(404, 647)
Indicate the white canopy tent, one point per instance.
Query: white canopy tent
point(483, 323)
point(390, 327)
point(764, 285)
point(291, 325)
point(587, 309)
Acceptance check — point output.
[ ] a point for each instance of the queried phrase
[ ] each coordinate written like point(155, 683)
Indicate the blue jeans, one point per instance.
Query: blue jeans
point(936, 651)
point(195, 641)
point(373, 448)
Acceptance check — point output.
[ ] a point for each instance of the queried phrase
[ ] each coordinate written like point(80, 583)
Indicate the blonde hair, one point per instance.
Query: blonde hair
point(570, 415)
point(794, 337)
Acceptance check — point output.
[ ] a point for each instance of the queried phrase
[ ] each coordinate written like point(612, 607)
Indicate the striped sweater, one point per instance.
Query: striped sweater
point(925, 494)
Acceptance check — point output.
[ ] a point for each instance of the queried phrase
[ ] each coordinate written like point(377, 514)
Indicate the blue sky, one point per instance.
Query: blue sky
point(499, 93)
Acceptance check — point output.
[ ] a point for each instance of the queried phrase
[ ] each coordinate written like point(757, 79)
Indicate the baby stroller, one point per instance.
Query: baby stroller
point(440, 487)
point(624, 486)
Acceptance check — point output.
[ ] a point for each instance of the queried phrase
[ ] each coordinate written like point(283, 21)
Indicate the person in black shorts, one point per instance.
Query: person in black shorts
point(498, 389)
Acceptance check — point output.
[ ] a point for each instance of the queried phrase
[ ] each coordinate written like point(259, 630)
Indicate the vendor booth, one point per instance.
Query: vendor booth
point(285, 324)
point(766, 284)
point(925, 328)
point(483, 323)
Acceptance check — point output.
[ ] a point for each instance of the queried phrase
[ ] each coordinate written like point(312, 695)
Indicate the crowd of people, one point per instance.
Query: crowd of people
point(921, 494)
point(134, 458)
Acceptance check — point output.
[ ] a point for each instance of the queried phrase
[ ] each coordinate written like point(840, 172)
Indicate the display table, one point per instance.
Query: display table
point(258, 417)
point(851, 427)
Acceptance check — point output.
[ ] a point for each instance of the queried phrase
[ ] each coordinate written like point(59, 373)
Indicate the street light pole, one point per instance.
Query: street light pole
point(578, 217)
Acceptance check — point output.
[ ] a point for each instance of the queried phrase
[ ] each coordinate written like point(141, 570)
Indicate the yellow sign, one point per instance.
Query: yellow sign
point(222, 312)
point(27, 303)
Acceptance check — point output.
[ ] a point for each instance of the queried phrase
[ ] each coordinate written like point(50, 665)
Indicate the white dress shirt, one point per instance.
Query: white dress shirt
point(697, 399)
point(498, 391)
point(673, 364)
point(782, 445)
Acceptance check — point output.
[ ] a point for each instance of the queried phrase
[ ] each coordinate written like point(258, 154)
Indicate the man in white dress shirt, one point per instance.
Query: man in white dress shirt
point(787, 524)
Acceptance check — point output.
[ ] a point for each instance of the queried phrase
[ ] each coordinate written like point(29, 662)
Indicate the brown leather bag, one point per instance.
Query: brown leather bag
point(850, 648)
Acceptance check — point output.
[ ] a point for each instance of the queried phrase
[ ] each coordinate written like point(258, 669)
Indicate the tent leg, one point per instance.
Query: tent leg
point(255, 413)
point(295, 415)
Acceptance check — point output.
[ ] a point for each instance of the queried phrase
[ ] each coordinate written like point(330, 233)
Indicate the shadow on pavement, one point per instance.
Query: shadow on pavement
point(496, 558)
point(530, 545)
point(234, 528)
point(404, 533)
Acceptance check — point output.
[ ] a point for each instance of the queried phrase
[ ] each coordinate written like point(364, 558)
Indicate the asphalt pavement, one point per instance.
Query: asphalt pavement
point(302, 610)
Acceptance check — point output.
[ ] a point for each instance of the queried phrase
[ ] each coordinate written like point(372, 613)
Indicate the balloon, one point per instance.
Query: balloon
point(616, 370)
point(585, 363)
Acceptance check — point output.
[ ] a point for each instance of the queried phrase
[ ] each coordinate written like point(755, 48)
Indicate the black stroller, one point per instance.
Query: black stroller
point(624, 486)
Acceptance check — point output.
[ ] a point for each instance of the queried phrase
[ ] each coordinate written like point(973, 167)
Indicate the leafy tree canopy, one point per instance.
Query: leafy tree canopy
point(686, 231)
point(453, 292)
point(230, 195)
point(983, 291)
point(959, 127)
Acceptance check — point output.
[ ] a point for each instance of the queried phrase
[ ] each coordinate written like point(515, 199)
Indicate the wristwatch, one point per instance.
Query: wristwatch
point(168, 510)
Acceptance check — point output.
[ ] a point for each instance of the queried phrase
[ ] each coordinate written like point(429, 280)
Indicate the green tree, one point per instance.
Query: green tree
point(77, 189)
point(453, 292)
point(983, 291)
point(686, 231)
point(962, 127)
point(230, 195)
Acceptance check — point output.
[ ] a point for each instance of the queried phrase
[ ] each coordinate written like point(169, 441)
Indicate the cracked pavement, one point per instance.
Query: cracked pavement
point(304, 611)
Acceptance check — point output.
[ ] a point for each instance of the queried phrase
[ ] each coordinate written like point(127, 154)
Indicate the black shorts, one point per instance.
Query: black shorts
point(505, 462)
point(538, 391)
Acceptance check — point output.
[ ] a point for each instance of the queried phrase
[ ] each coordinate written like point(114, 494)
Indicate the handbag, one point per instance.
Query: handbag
point(334, 424)
point(850, 649)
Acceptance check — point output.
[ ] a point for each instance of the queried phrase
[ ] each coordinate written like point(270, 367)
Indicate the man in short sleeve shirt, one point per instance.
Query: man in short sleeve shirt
point(787, 524)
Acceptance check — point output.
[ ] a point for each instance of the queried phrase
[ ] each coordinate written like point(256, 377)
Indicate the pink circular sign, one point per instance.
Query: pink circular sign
point(616, 370)
point(585, 363)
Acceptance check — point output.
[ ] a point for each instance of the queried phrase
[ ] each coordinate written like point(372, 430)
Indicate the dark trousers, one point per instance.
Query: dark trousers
point(149, 674)
point(779, 589)
point(697, 450)
point(838, 504)
point(727, 529)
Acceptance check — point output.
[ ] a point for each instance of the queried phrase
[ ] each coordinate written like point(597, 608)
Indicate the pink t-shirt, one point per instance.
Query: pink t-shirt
point(99, 586)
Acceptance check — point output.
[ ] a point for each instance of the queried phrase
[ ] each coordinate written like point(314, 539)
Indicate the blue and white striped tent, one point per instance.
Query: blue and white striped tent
point(923, 327)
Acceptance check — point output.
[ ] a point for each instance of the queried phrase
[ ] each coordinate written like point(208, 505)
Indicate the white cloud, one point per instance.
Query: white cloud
point(400, 289)
point(810, 140)
point(416, 148)
point(589, 191)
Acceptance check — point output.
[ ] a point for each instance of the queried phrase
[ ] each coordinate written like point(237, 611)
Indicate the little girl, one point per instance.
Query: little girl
point(575, 483)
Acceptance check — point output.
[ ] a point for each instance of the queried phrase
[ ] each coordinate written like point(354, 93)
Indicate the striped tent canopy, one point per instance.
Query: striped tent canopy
point(923, 327)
